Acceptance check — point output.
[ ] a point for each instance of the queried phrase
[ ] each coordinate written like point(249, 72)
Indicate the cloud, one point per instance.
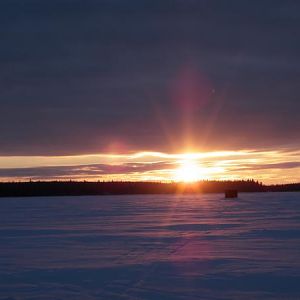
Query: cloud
point(90, 76)
point(281, 166)
point(84, 171)
point(268, 166)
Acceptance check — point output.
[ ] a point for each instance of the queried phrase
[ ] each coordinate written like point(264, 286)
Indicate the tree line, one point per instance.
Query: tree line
point(77, 188)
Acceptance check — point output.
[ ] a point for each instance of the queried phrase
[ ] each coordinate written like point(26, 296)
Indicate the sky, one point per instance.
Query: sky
point(115, 89)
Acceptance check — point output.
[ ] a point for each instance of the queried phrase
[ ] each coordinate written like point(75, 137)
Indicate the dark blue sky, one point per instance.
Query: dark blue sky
point(94, 76)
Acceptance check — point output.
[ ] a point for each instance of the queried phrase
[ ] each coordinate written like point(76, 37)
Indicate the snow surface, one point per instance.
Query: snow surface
point(150, 247)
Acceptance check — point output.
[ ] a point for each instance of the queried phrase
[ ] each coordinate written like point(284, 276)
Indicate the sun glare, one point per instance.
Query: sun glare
point(189, 171)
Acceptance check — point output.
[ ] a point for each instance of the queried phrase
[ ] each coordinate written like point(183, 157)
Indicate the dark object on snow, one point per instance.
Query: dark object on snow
point(231, 194)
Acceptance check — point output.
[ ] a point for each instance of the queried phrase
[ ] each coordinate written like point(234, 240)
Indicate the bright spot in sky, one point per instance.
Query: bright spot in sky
point(189, 171)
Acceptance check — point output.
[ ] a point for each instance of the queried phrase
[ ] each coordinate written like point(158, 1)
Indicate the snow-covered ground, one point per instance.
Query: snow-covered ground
point(154, 247)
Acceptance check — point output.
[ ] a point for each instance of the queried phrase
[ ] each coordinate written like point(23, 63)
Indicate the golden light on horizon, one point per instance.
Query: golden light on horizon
point(189, 171)
point(269, 166)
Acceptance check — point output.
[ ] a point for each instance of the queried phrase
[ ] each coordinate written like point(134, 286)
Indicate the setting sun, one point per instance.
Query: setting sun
point(189, 171)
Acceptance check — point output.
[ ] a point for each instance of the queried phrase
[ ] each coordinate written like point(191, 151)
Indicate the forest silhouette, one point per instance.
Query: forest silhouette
point(76, 188)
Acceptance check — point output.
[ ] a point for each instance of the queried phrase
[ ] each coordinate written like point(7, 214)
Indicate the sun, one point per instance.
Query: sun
point(189, 171)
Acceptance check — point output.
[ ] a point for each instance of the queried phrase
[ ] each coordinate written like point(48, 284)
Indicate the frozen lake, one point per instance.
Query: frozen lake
point(154, 247)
